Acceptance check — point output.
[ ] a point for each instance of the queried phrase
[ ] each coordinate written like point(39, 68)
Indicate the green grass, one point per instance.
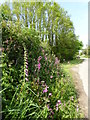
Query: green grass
point(66, 66)
point(71, 63)
point(85, 56)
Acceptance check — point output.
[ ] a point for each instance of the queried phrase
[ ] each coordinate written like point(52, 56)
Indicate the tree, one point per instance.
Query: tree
point(52, 23)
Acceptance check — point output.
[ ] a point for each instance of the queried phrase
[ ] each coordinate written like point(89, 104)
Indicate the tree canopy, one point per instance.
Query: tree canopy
point(50, 20)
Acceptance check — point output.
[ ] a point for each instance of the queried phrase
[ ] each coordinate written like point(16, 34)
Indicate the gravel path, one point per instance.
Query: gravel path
point(80, 77)
point(83, 72)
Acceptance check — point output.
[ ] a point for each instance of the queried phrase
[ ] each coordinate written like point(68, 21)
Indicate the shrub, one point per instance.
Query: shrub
point(34, 85)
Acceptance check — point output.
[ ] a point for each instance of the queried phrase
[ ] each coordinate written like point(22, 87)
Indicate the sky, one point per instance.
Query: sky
point(78, 12)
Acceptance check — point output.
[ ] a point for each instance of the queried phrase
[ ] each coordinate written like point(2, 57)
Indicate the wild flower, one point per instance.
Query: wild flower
point(1, 49)
point(56, 61)
point(45, 90)
point(37, 80)
point(39, 66)
point(45, 57)
point(42, 50)
point(77, 108)
point(48, 106)
point(7, 49)
point(6, 41)
point(50, 94)
point(62, 75)
point(50, 109)
point(58, 73)
point(47, 86)
point(72, 98)
point(39, 58)
point(38, 93)
point(27, 74)
point(57, 104)
point(68, 62)
point(42, 81)
point(64, 60)
point(26, 79)
point(51, 76)
point(56, 108)
point(25, 64)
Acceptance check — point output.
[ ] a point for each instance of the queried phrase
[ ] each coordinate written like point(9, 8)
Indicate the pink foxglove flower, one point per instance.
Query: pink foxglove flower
point(26, 79)
point(39, 58)
point(39, 66)
point(25, 64)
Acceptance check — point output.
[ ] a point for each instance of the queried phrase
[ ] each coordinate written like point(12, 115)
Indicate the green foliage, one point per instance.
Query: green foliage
point(34, 85)
point(46, 47)
point(85, 52)
point(50, 20)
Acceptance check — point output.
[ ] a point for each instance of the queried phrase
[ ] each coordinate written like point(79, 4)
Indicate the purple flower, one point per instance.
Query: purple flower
point(57, 105)
point(45, 90)
point(56, 60)
point(50, 94)
point(6, 41)
point(40, 57)
point(48, 106)
point(47, 86)
point(26, 71)
point(50, 109)
point(77, 108)
point(1, 49)
point(26, 79)
point(52, 112)
point(51, 76)
point(26, 74)
point(56, 108)
point(39, 66)
point(42, 50)
point(72, 98)
point(59, 102)
point(26, 62)
point(37, 80)
point(45, 57)
point(26, 66)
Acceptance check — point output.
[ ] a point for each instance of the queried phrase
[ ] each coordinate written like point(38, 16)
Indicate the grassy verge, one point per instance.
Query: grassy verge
point(69, 64)
point(85, 56)
point(66, 67)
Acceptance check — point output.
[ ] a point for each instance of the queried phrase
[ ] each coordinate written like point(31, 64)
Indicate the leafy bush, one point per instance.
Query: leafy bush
point(34, 85)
